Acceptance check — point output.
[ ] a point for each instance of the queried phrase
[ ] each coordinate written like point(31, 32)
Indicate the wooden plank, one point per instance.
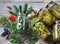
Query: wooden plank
point(58, 1)
point(4, 10)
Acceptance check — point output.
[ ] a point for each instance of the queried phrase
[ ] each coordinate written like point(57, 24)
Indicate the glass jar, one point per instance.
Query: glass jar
point(41, 30)
point(46, 17)
point(54, 9)
point(56, 31)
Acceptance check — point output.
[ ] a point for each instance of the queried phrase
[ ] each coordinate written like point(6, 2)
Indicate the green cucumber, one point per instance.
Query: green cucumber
point(11, 12)
point(29, 10)
point(24, 23)
point(24, 8)
point(15, 9)
point(20, 8)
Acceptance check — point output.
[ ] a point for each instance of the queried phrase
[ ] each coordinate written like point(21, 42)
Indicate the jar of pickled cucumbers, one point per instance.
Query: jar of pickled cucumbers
point(56, 31)
point(54, 9)
point(41, 30)
point(46, 17)
point(51, 4)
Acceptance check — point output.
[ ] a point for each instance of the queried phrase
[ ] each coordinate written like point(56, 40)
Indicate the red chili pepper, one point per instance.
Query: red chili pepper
point(9, 7)
point(11, 17)
point(34, 15)
point(35, 11)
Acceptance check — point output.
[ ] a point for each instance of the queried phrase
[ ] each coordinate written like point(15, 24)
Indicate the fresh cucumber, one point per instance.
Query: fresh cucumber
point(11, 12)
point(15, 9)
point(29, 10)
point(20, 8)
point(24, 8)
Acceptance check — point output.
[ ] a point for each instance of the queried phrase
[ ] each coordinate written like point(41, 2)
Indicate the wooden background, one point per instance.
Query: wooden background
point(36, 4)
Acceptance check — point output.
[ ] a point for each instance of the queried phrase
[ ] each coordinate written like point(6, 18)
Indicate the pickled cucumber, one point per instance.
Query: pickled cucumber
point(56, 31)
point(46, 17)
point(41, 30)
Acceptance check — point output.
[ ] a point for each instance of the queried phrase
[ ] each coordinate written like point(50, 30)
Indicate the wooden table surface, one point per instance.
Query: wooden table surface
point(37, 4)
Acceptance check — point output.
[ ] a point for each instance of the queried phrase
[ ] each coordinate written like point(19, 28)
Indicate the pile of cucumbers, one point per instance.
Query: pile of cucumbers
point(19, 26)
